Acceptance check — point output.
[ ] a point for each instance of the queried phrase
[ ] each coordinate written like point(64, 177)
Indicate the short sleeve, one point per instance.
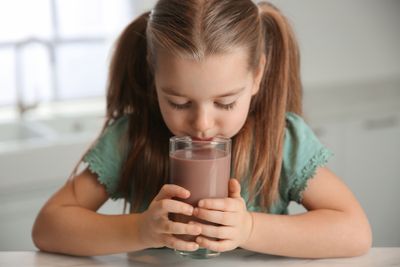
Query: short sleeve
point(106, 156)
point(303, 153)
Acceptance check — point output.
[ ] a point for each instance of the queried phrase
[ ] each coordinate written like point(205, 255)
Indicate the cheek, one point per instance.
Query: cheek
point(234, 121)
point(173, 120)
point(240, 118)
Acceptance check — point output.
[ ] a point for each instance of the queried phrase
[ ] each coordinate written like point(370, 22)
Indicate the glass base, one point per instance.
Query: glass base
point(201, 253)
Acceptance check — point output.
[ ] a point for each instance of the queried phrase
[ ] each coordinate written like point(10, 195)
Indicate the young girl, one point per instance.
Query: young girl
point(206, 68)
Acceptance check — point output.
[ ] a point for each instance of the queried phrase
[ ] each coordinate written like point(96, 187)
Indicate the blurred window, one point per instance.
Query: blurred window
point(53, 50)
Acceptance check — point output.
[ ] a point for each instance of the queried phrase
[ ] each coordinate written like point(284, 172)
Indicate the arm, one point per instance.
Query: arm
point(68, 222)
point(334, 226)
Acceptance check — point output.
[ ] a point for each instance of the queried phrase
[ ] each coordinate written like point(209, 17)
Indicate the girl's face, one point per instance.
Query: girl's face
point(207, 98)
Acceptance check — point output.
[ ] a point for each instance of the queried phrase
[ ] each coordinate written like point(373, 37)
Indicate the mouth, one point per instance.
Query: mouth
point(202, 139)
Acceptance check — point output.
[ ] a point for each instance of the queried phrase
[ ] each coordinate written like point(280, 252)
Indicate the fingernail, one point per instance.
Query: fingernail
point(201, 203)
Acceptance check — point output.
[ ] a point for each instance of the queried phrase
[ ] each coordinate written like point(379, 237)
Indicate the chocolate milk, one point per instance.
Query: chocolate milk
point(204, 172)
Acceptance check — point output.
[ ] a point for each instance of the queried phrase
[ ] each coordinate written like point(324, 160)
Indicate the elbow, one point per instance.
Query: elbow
point(365, 244)
point(360, 247)
point(39, 236)
point(361, 240)
point(37, 241)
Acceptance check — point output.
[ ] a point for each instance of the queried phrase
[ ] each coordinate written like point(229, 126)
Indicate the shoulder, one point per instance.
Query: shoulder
point(107, 154)
point(117, 126)
point(298, 136)
point(116, 132)
point(296, 128)
point(303, 152)
point(114, 138)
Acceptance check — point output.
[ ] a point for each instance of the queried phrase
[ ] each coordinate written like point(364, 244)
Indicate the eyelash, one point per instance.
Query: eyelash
point(219, 105)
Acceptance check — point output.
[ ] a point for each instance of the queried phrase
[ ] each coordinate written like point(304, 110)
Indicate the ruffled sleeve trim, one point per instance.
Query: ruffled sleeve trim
point(106, 156)
point(95, 165)
point(300, 183)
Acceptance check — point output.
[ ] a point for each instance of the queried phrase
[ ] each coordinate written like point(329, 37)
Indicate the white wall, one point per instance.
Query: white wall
point(346, 41)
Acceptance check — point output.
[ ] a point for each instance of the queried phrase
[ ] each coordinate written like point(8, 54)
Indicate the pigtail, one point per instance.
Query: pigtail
point(131, 92)
point(127, 64)
point(128, 74)
point(280, 91)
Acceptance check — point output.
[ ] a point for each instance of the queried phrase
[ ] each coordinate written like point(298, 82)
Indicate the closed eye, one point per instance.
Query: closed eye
point(179, 106)
point(188, 104)
point(226, 106)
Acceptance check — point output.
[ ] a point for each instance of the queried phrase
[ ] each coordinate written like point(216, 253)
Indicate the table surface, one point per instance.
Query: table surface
point(166, 257)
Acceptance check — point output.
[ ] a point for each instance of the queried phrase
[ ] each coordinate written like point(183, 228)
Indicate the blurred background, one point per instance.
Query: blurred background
point(54, 56)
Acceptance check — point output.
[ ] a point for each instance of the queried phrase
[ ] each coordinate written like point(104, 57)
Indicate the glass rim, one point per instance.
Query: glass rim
point(214, 141)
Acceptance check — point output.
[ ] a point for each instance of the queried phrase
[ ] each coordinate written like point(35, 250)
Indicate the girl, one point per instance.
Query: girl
point(205, 68)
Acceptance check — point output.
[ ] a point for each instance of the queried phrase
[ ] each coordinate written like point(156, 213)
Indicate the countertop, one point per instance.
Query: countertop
point(166, 257)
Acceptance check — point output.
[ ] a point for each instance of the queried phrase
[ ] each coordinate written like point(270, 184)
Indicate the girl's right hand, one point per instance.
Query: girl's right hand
point(157, 230)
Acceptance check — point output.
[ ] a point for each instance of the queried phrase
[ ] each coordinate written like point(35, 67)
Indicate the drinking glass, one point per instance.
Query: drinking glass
point(203, 168)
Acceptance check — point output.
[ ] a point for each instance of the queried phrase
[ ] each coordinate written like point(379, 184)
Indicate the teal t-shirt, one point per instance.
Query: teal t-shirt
point(303, 153)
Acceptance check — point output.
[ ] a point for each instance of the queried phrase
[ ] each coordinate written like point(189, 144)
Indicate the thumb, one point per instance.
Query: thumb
point(234, 188)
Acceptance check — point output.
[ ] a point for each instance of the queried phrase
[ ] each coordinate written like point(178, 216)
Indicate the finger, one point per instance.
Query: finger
point(171, 190)
point(173, 206)
point(221, 232)
point(215, 216)
point(178, 228)
point(219, 246)
point(234, 188)
point(222, 204)
point(176, 243)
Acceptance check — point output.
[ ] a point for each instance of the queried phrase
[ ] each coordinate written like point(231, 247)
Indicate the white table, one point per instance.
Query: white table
point(166, 257)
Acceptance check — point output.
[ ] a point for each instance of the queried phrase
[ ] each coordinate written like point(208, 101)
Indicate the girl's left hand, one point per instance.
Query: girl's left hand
point(234, 219)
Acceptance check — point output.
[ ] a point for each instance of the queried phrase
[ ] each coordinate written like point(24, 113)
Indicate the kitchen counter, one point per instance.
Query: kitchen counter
point(166, 257)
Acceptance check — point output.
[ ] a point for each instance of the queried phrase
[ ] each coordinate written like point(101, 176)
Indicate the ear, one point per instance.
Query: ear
point(259, 74)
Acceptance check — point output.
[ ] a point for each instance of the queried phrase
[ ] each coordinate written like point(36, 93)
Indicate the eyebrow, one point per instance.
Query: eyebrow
point(170, 91)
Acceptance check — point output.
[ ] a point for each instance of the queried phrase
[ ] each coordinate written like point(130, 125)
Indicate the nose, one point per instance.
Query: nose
point(202, 121)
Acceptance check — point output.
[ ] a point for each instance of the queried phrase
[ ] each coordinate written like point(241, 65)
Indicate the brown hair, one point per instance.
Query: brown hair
point(196, 29)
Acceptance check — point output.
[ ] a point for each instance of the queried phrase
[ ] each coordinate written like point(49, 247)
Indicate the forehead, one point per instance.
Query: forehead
point(213, 74)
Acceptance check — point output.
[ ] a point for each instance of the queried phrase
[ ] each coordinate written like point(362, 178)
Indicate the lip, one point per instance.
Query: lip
point(202, 139)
